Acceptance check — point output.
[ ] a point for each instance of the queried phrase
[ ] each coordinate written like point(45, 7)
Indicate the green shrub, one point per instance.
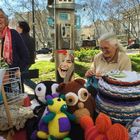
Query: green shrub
point(135, 59)
point(81, 68)
point(85, 55)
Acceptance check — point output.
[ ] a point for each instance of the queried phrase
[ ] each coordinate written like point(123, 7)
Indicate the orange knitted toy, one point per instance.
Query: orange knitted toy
point(103, 129)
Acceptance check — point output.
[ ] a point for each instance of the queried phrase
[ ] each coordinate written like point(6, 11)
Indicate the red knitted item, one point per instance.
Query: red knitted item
point(103, 129)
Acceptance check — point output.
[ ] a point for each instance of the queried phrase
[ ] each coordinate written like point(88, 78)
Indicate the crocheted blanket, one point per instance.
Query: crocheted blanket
point(19, 116)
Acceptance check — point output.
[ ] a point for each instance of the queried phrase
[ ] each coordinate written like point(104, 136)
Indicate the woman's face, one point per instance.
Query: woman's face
point(2, 21)
point(64, 66)
point(19, 30)
point(108, 49)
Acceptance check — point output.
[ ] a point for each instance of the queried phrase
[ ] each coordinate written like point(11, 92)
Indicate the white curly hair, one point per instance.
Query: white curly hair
point(112, 39)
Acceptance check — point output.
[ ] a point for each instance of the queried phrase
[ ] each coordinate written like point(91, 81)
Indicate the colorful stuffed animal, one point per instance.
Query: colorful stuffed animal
point(42, 89)
point(79, 102)
point(78, 99)
point(56, 119)
point(103, 129)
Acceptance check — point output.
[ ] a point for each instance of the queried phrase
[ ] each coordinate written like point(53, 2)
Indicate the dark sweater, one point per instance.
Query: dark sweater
point(30, 43)
point(20, 52)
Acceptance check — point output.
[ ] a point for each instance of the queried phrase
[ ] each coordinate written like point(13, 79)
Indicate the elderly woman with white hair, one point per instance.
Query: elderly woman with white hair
point(111, 57)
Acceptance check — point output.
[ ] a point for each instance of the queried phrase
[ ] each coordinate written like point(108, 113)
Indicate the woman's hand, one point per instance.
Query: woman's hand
point(98, 75)
point(89, 73)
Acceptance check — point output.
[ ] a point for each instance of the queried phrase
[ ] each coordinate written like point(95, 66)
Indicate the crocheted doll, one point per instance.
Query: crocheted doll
point(55, 123)
point(103, 129)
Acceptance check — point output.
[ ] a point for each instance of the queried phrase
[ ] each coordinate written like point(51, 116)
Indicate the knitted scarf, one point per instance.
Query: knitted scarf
point(7, 46)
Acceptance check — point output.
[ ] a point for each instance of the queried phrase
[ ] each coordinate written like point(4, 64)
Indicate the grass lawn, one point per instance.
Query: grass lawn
point(46, 70)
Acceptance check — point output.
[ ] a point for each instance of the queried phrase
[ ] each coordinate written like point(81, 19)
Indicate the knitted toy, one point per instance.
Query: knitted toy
point(78, 99)
point(55, 123)
point(39, 104)
point(43, 89)
point(103, 128)
point(79, 102)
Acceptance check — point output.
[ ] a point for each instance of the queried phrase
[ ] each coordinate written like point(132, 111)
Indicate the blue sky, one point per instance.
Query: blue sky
point(14, 4)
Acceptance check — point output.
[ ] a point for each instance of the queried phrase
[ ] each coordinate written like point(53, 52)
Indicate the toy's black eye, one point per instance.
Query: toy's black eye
point(59, 99)
point(71, 99)
point(40, 89)
point(83, 94)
